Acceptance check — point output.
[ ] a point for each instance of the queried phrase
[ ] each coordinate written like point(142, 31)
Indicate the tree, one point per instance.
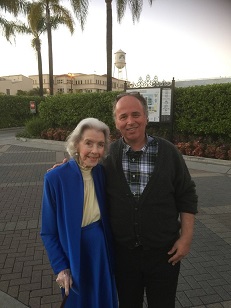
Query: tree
point(37, 26)
point(136, 9)
point(54, 13)
point(109, 43)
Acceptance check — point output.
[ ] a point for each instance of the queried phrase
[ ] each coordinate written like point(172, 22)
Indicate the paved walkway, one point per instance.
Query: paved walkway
point(26, 279)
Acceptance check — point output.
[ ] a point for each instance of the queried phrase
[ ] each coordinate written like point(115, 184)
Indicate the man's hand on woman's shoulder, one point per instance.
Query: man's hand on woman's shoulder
point(58, 164)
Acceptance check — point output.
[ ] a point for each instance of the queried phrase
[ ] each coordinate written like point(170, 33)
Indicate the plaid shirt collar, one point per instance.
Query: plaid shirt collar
point(127, 148)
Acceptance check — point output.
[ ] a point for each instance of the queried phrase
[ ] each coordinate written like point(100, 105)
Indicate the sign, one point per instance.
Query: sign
point(152, 96)
point(159, 98)
point(32, 107)
point(159, 101)
point(166, 100)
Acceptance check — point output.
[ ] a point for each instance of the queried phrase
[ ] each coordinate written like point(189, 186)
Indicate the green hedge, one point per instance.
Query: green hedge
point(15, 110)
point(203, 110)
point(199, 110)
point(67, 110)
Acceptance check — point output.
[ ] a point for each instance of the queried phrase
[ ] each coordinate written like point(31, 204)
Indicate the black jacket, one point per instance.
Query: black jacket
point(153, 221)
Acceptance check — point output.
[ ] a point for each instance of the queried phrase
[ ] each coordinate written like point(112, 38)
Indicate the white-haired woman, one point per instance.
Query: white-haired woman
point(75, 228)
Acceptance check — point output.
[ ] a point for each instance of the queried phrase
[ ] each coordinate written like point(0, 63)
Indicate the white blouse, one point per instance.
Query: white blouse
point(91, 212)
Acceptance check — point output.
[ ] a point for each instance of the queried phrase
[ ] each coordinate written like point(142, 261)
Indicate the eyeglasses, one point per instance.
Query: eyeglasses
point(134, 93)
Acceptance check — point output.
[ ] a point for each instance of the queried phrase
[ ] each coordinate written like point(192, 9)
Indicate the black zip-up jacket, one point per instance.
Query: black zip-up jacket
point(153, 221)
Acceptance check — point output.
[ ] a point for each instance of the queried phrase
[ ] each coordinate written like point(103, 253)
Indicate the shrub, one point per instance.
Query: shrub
point(66, 111)
point(15, 110)
point(203, 110)
point(58, 134)
point(35, 126)
point(201, 147)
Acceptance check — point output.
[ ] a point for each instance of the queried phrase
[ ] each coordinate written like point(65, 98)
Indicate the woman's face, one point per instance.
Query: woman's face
point(91, 147)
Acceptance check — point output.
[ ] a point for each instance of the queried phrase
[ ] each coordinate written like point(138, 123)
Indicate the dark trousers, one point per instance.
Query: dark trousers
point(138, 270)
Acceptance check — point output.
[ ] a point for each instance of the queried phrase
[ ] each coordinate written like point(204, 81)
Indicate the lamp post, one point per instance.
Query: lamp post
point(71, 75)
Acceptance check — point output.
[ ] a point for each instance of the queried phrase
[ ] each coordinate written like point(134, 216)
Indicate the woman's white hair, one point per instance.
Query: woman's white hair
point(89, 123)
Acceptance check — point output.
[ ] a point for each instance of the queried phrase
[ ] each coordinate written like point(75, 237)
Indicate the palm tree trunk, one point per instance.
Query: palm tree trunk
point(109, 44)
point(40, 70)
point(50, 52)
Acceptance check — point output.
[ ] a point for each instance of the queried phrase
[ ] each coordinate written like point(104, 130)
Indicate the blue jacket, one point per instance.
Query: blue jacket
point(62, 212)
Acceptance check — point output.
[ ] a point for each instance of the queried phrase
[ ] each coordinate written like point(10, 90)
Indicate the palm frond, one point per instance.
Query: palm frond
point(136, 9)
point(14, 6)
point(121, 9)
point(80, 8)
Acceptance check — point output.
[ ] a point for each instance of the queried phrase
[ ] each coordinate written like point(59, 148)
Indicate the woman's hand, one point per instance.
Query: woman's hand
point(64, 280)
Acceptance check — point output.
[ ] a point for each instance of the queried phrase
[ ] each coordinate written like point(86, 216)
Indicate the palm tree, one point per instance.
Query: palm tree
point(121, 5)
point(109, 43)
point(37, 26)
point(14, 7)
point(135, 7)
point(54, 14)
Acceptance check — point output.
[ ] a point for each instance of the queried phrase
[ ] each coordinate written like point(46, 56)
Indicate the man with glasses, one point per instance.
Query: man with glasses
point(152, 204)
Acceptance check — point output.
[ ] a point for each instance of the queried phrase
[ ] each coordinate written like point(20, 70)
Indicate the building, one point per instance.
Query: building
point(77, 82)
point(201, 82)
point(10, 85)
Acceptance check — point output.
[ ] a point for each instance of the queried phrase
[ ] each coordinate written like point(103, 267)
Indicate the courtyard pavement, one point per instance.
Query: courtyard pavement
point(26, 278)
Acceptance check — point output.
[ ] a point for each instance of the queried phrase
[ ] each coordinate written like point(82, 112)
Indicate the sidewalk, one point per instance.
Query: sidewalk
point(26, 279)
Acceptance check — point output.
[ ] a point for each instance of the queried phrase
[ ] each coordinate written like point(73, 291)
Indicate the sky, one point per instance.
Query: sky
point(184, 39)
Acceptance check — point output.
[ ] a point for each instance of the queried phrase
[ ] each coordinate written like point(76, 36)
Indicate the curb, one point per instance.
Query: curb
point(208, 164)
point(46, 141)
point(11, 128)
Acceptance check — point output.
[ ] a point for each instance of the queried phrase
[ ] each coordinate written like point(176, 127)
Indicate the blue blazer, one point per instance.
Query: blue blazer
point(62, 212)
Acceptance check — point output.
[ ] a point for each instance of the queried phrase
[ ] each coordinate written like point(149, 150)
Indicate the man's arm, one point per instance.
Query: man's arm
point(182, 246)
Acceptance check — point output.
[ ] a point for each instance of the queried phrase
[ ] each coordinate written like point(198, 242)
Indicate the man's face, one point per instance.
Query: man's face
point(130, 119)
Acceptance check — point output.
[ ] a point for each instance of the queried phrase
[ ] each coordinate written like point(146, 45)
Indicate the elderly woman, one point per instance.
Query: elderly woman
point(75, 229)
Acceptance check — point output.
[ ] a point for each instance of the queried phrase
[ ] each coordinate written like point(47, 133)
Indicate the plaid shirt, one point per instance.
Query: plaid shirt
point(138, 166)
